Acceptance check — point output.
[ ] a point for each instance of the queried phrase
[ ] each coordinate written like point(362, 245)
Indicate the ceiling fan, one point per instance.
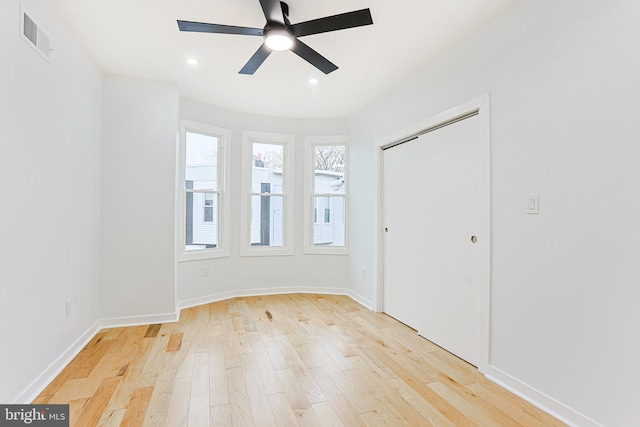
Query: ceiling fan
point(280, 34)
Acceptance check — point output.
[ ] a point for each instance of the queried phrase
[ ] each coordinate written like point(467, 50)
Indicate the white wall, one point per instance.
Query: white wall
point(50, 118)
point(565, 90)
point(137, 262)
point(236, 273)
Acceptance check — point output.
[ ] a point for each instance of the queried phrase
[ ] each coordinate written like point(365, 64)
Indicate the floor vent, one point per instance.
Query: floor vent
point(34, 36)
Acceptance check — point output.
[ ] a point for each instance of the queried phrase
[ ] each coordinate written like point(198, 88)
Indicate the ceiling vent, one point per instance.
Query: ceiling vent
point(34, 36)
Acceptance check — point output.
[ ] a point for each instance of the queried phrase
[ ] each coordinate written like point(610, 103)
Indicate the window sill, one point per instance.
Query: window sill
point(202, 254)
point(327, 250)
point(266, 251)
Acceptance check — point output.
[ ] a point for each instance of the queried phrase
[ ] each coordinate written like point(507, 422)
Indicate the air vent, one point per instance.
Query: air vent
point(34, 36)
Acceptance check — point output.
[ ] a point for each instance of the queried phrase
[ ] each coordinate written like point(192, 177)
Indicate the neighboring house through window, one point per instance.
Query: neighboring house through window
point(325, 195)
point(267, 200)
point(205, 210)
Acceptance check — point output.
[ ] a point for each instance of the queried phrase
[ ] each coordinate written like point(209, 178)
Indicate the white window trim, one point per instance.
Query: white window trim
point(248, 138)
point(224, 211)
point(309, 171)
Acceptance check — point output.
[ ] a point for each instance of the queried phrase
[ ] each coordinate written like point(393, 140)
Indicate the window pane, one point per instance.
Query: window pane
point(330, 229)
point(202, 161)
point(267, 168)
point(201, 221)
point(267, 220)
point(329, 169)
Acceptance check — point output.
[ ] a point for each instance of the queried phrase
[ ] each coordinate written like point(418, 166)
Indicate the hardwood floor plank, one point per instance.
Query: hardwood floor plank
point(74, 389)
point(199, 406)
point(304, 380)
point(76, 407)
point(137, 408)
point(282, 411)
point(383, 399)
point(128, 337)
point(231, 347)
point(98, 402)
point(112, 418)
point(295, 394)
point(88, 358)
point(275, 354)
point(268, 373)
point(218, 382)
point(153, 330)
point(327, 416)
point(338, 401)
point(351, 391)
point(241, 413)
point(420, 404)
point(133, 377)
point(258, 397)
point(178, 413)
point(484, 415)
point(175, 342)
point(514, 407)
point(221, 415)
point(294, 359)
point(112, 333)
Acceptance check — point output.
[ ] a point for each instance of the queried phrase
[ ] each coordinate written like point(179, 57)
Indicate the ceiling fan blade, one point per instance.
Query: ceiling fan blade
point(256, 60)
point(272, 11)
point(201, 27)
point(313, 57)
point(342, 21)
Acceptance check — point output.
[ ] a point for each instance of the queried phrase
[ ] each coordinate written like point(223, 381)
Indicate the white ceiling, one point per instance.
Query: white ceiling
point(140, 38)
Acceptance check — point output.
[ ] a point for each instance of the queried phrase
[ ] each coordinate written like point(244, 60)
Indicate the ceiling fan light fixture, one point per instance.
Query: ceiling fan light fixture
point(278, 39)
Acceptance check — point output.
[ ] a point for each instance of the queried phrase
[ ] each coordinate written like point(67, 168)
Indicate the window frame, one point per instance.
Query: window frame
point(309, 195)
point(287, 194)
point(223, 181)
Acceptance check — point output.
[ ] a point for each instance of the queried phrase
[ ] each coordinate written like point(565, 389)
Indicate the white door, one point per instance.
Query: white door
point(431, 215)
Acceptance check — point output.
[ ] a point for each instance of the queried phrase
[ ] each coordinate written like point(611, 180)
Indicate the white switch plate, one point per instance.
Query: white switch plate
point(533, 203)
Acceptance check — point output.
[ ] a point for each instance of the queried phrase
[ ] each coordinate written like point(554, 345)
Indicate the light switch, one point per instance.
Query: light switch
point(533, 204)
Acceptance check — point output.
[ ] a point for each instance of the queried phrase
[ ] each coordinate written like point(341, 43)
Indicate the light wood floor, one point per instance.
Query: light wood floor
point(285, 360)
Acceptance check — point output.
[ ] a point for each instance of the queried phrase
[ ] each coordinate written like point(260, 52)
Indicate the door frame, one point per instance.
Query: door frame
point(480, 104)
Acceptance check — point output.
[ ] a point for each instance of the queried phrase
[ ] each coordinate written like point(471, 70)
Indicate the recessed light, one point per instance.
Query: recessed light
point(192, 61)
point(313, 81)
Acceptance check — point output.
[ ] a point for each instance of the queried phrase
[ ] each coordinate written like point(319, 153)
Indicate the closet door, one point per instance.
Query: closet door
point(432, 219)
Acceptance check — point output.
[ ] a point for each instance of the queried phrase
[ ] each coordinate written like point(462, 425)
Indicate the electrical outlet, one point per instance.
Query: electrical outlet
point(205, 271)
point(363, 273)
point(68, 307)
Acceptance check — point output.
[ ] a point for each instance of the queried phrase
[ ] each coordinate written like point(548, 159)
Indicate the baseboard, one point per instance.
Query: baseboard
point(221, 296)
point(360, 299)
point(119, 322)
point(36, 387)
point(539, 399)
point(40, 383)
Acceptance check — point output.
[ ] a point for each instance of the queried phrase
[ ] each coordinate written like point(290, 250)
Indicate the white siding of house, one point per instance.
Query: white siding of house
point(328, 233)
point(203, 177)
point(266, 175)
